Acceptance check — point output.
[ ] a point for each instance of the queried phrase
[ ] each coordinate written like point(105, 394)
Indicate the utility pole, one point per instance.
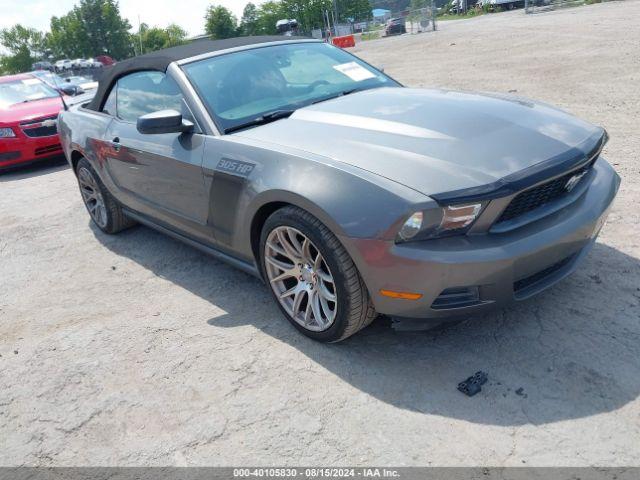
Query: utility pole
point(335, 18)
point(140, 34)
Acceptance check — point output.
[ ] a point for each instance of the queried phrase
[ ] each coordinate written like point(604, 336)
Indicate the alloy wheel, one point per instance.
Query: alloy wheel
point(300, 278)
point(92, 197)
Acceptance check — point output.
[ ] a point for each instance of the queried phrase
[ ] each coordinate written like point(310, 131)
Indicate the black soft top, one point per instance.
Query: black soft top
point(161, 59)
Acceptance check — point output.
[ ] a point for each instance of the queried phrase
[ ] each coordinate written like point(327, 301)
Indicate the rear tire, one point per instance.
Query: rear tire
point(104, 210)
point(312, 277)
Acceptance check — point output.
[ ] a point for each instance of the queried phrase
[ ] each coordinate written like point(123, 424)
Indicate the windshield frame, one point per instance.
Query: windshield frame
point(216, 120)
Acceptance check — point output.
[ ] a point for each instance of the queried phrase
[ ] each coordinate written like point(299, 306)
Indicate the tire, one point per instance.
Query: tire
point(352, 307)
point(105, 212)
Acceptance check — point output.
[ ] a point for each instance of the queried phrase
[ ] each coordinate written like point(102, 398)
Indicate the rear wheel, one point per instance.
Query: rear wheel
point(312, 277)
point(104, 210)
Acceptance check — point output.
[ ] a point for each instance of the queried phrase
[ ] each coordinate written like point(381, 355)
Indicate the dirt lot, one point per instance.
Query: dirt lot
point(135, 349)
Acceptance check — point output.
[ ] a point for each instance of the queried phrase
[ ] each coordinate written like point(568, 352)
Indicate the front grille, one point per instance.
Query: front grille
point(541, 275)
point(541, 195)
point(35, 128)
point(49, 149)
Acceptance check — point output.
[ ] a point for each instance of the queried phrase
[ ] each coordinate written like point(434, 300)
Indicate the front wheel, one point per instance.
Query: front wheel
point(104, 210)
point(312, 277)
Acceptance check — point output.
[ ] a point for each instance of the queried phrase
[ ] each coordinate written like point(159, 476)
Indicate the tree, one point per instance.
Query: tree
point(418, 4)
point(354, 10)
point(176, 35)
point(94, 27)
point(220, 22)
point(156, 38)
point(308, 13)
point(249, 21)
point(268, 14)
point(25, 46)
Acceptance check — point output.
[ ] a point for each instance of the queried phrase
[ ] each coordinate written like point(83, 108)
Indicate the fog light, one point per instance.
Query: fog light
point(412, 226)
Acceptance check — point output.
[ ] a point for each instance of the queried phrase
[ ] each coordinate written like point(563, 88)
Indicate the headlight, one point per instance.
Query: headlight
point(440, 222)
point(6, 133)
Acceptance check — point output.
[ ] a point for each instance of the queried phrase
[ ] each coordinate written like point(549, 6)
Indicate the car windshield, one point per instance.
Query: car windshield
point(240, 87)
point(25, 90)
point(49, 78)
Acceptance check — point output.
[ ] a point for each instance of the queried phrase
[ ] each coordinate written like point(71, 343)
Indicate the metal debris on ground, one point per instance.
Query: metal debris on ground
point(473, 384)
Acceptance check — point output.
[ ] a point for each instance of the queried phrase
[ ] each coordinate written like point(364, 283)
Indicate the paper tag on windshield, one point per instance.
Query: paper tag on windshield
point(354, 71)
point(31, 81)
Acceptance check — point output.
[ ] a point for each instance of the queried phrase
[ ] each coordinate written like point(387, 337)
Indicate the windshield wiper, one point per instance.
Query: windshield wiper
point(261, 120)
point(337, 95)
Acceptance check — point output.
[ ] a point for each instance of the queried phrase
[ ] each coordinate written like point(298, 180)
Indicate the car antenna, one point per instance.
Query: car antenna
point(64, 104)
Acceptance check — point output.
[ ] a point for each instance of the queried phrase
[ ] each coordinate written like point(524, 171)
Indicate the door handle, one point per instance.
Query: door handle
point(116, 144)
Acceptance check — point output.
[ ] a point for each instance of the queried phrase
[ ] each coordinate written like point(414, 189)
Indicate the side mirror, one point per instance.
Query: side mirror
point(164, 121)
point(71, 90)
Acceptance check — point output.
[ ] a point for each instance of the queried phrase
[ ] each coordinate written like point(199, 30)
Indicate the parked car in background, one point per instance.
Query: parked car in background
point(42, 66)
point(396, 26)
point(105, 60)
point(347, 193)
point(84, 83)
point(28, 120)
point(95, 63)
point(63, 65)
point(68, 86)
point(81, 63)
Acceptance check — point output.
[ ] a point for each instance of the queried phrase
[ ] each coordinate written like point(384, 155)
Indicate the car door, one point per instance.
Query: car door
point(161, 174)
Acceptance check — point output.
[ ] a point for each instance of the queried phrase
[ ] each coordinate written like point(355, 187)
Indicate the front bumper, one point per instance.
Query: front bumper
point(496, 268)
point(22, 149)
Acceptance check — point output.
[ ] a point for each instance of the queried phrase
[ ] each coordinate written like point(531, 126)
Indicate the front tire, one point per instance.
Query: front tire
point(312, 277)
point(104, 210)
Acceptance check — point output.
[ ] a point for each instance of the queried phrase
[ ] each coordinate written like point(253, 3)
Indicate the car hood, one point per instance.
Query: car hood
point(22, 112)
point(432, 141)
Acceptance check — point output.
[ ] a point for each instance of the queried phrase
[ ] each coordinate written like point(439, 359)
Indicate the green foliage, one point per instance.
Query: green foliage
point(268, 14)
point(220, 22)
point(418, 4)
point(25, 46)
point(249, 21)
point(176, 35)
point(156, 38)
point(94, 27)
point(262, 20)
point(356, 10)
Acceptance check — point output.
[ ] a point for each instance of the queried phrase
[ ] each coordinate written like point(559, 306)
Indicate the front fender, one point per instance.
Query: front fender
point(351, 202)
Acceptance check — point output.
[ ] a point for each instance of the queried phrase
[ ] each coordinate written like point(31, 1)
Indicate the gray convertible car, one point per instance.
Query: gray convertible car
point(348, 194)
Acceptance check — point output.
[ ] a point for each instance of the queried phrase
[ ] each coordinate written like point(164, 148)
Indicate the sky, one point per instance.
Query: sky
point(189, 14)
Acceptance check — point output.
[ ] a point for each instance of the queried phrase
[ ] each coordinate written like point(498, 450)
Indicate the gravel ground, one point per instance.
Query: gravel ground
point(135, 349)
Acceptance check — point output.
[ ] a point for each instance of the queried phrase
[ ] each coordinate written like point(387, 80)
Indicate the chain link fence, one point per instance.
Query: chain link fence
point(409, 21)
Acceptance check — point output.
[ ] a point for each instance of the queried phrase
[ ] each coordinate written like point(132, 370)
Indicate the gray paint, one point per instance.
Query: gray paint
point(361, 164)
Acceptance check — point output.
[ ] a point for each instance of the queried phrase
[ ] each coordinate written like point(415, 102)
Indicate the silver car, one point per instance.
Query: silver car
point(348, 194)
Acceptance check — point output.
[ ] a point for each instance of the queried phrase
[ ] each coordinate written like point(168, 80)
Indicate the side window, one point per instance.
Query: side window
point(146, 92)
point(110, 105)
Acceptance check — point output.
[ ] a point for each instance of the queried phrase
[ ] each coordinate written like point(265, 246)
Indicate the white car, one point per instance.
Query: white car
point(81, 63)
point(82, 82)
point(95, 63)
point(62, 65)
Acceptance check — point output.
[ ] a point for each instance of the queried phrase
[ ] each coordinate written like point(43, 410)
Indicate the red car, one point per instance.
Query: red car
point(28, 120)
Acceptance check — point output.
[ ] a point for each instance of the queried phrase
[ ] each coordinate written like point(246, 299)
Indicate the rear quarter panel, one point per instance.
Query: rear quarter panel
point(82, 131)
